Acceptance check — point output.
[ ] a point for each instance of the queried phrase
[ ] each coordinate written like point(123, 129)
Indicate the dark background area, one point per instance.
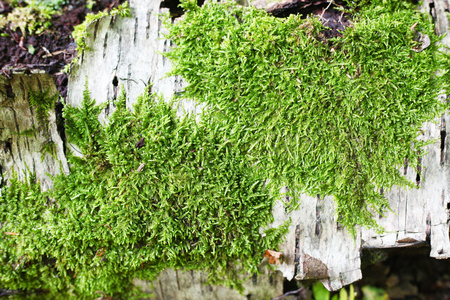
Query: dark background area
point(54, 48)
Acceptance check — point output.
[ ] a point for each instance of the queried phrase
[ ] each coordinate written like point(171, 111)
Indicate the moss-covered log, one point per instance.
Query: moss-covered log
point(128, 53)
point(316, 245)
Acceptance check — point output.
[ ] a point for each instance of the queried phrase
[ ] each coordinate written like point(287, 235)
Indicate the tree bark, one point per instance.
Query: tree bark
point(21, 153)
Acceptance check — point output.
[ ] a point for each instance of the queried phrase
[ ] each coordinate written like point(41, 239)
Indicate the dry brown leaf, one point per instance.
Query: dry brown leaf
point(141, 143)
point(274, 257)
point(407, 240)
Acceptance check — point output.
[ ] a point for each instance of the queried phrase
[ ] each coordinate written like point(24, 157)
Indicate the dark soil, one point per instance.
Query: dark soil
point(54, 48)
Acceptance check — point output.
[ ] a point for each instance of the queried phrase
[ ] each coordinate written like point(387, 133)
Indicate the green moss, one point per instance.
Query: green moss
point(42, 102)
point(23, 264)
point(322, 116)
point(184, 197)
point(27, 132)
point(48, 147)
point(55, 4)
point(33, 18)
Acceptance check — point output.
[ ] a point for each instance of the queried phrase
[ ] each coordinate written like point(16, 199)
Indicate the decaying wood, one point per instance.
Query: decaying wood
point(316, 247)
point(21, 153)
point(127, 51)
point(174, 284)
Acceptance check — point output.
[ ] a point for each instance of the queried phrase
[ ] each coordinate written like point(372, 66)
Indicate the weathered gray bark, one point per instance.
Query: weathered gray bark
point(174, 284)
point(21, 153)
point(126, 53)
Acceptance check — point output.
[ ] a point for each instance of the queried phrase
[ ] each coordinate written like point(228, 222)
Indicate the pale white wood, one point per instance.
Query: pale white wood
point(129, 50)
point(188, 285)
point(316, 247)
point(16, 115)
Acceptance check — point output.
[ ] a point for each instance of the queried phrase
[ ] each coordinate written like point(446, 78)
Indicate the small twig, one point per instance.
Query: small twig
point(141, 167)
point(340, 18)
point(227, 213)
point(111, 6)
point(6, 74)
point(46, 51)
point(54, 53)
point(341, 6)
point(15, 37)
point(38, 65)
point(323, 12)
point(22, 41)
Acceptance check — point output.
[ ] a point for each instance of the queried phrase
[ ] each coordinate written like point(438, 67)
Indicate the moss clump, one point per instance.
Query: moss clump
point(33, 18)
point(322, 116)
point(23, 263)
point(152, 191)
